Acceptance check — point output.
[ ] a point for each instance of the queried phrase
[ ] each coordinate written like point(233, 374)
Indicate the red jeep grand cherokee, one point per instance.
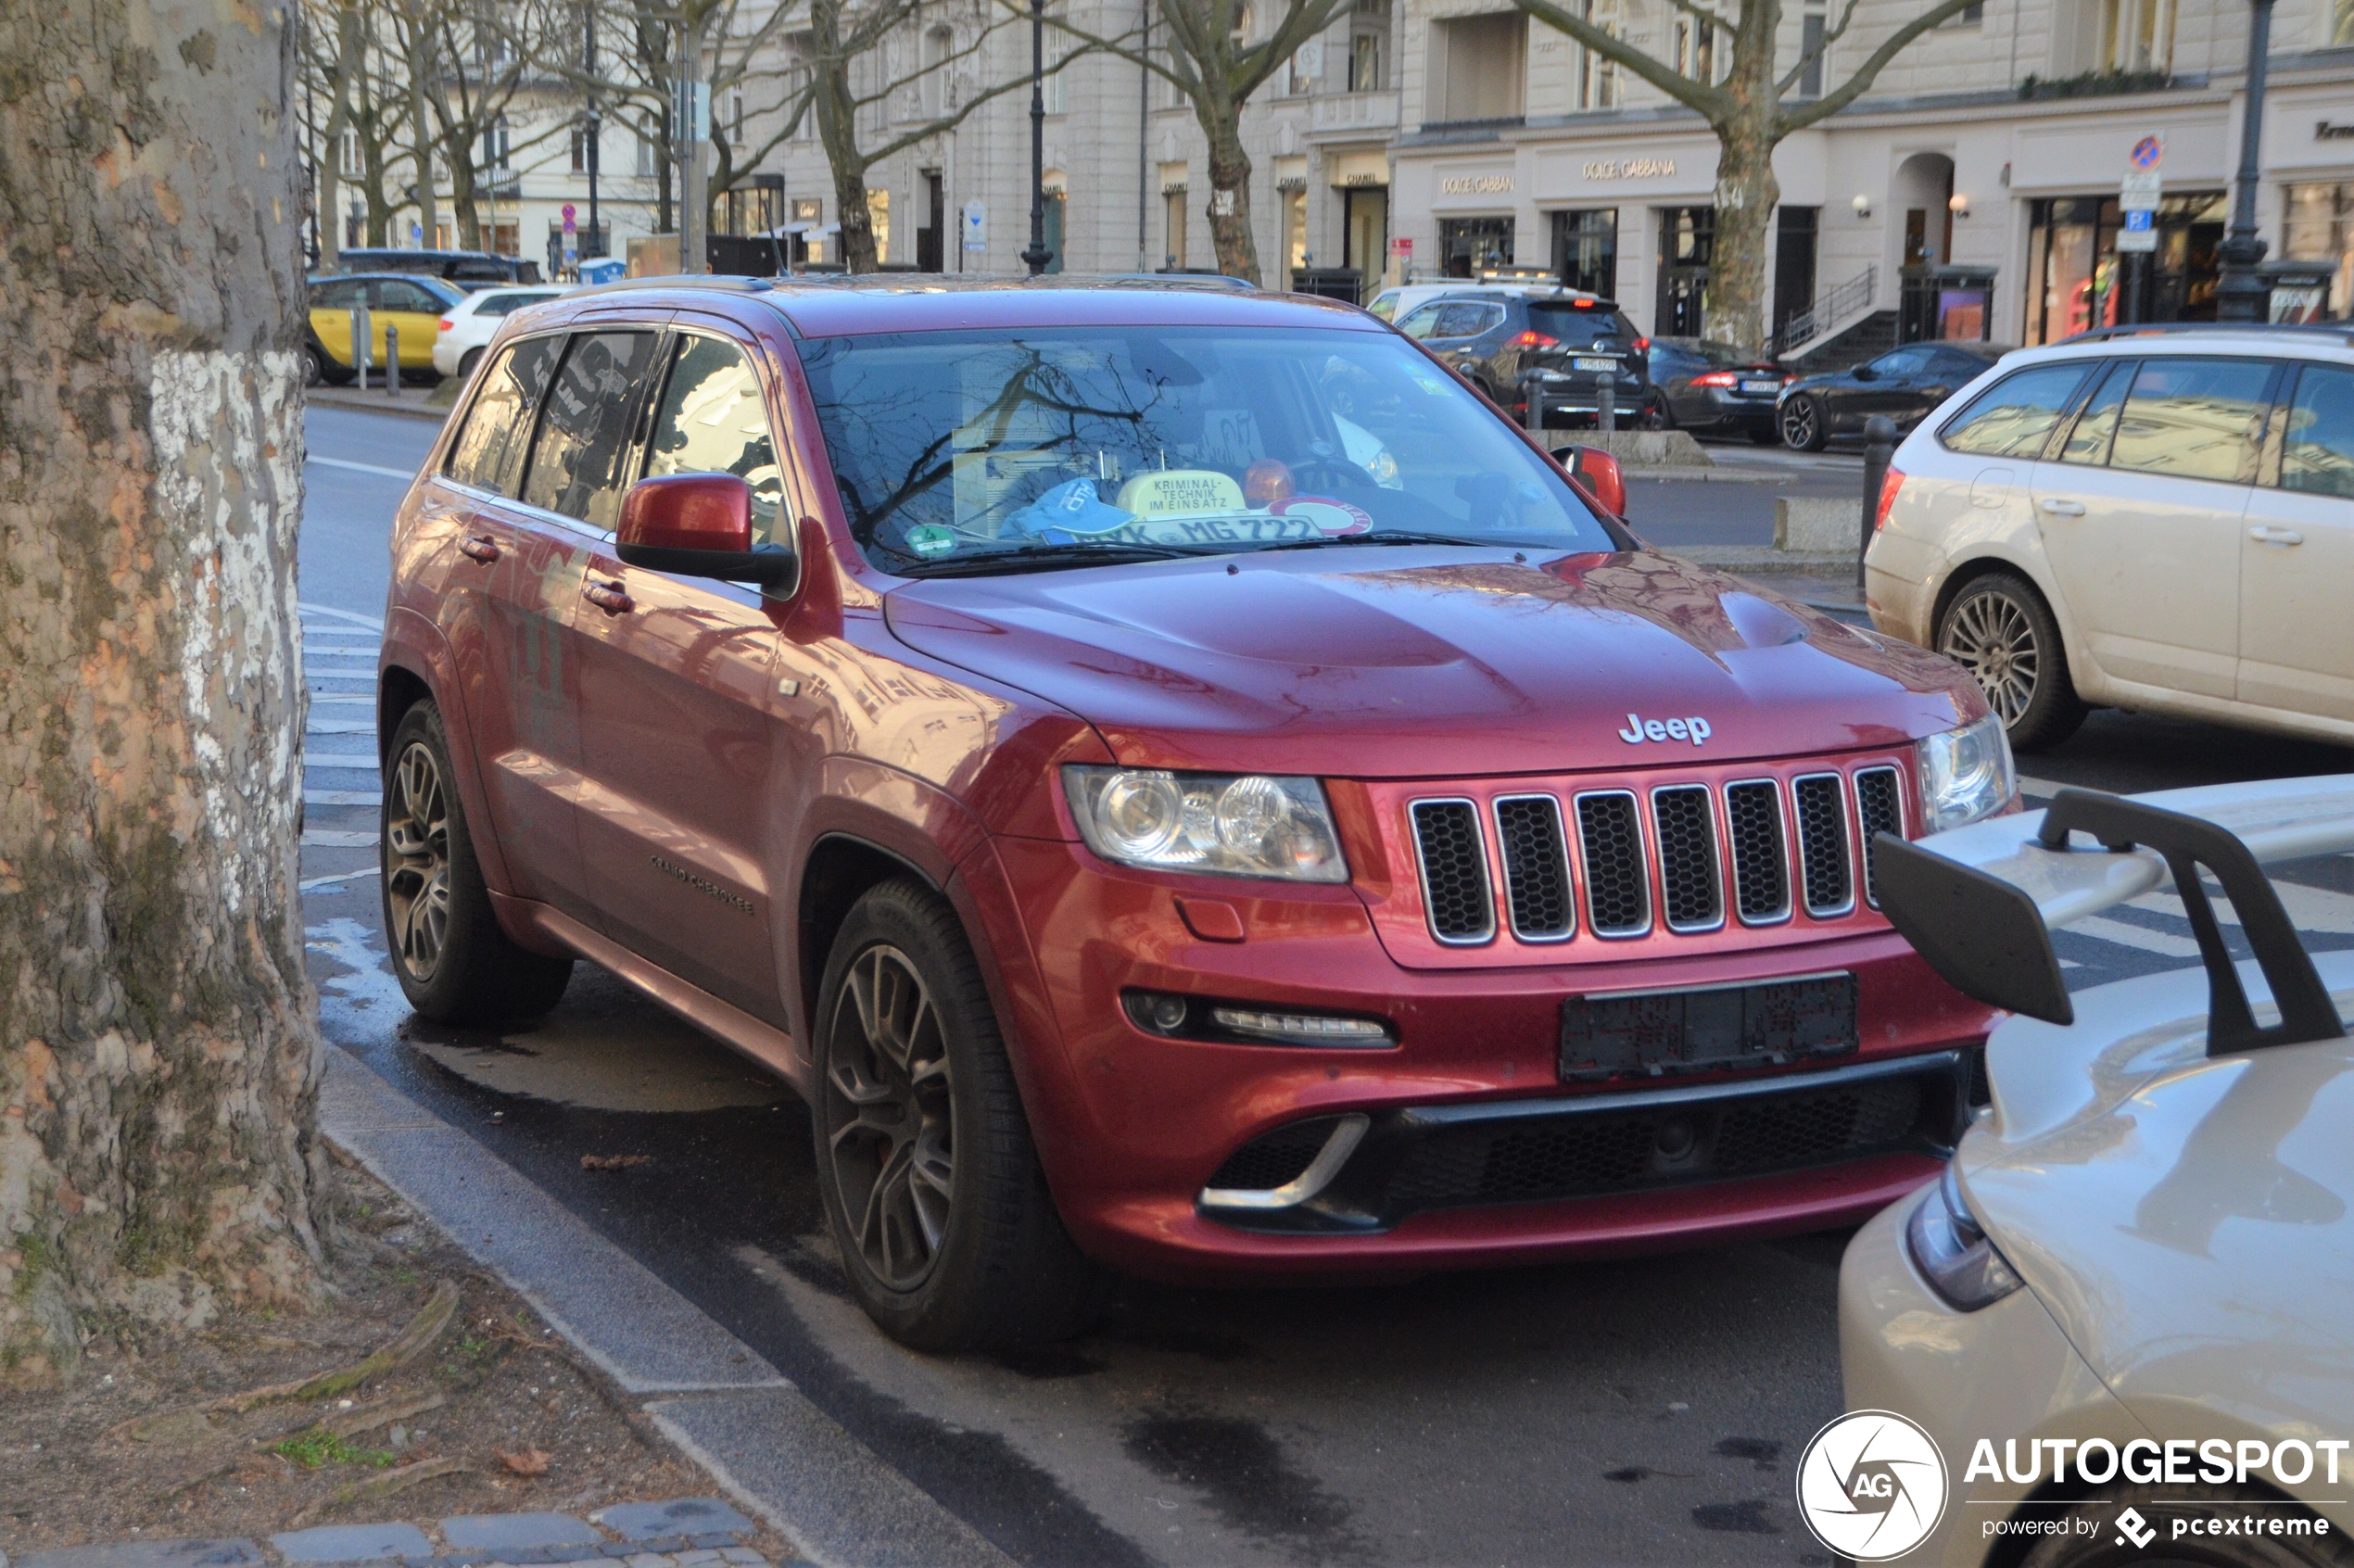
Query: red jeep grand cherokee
point(1171, 778)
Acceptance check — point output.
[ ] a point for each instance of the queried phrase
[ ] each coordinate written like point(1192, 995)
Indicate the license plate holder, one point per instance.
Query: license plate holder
point(1760, 385)
point(1656, 1034)
point(1594, 364)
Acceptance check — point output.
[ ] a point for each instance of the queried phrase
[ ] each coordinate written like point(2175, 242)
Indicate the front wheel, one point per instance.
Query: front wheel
point(1802, 425)
point(931, 1182)
point(2001, 630)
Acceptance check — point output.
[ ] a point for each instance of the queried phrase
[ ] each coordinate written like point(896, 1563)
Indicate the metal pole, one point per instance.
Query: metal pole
point(1606, 404)
point(2240, 292)
point(392, 358)
point(1037, 256)
point(1880, 448)
point(1143, 140)
point(694, 212)
point(360, 333)
point(596, 130)
point(1532, 417)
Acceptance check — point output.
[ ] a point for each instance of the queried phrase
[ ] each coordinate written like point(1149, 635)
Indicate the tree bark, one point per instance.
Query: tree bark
point(1230, 237)
point(1747, 193)
point(158, 1059)
point(421, 135)
point(837, 107)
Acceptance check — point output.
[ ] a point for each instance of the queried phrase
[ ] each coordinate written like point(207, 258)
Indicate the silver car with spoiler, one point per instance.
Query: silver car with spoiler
point(2132, 1293)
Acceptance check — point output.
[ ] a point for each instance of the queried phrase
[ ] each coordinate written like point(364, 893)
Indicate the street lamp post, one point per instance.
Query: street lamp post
point(1037, 256)
point(2241, 294)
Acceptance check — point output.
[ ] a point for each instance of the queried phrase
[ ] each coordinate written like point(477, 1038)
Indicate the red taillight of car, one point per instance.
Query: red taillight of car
point(1887, 499)
point(1642, 346)
point(1714, 378)
point(1536, 340)
point(447, 324)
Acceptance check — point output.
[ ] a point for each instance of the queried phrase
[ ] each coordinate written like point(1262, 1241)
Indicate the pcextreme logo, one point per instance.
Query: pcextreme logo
point(1871, 1485)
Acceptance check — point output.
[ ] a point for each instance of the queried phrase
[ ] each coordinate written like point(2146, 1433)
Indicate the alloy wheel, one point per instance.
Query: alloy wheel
point(1990, 633)
point(889, 1124)
point(416, 860)
point(1798, 424)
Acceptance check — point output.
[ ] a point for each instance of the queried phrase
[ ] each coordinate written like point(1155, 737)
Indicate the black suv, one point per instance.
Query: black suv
point(1557, 345)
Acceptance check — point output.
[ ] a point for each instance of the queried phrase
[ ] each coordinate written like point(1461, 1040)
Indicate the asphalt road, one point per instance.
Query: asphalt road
point(1637, 1412)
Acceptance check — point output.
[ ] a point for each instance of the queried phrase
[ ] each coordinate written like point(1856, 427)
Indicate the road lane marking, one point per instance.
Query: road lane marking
point(328, 838)
point(371, 622)
point(339, 762)
point(363, 700)
point(343, 797)
point(312, 884)
point(2128, 935)
point(341, 727)
point(403, 475)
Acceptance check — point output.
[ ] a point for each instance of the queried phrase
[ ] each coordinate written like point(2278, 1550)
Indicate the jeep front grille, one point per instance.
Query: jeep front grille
point(1760, 851)
point(1825, 875)
point(1879, 808)
point(1691, 887)
point(1454, 863)
point(1528, 831)
point(1618, 892)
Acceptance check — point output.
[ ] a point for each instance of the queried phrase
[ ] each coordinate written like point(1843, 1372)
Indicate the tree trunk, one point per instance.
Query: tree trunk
point(837, 132)
point(466, 199)
point(351, 58)
point(1747, 194)
point(1236, 247)
point(421, 133)
point(158, 1059)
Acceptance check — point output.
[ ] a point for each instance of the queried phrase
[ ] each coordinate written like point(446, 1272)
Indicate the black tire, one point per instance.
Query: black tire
point(957, 1245)
point(2099, 1542)
point(314, 365)
point(453, 963)
point(1658, 414)
point(2000, 630)
point(1802, 425)
point(467, 362)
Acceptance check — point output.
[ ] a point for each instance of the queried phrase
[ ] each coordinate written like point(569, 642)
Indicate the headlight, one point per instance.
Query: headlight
point(1228, 825)
point(1952, 1253)
point(1966, 774)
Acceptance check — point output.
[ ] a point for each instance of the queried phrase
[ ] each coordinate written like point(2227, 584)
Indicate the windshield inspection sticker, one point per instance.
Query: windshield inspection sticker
point(932, 540)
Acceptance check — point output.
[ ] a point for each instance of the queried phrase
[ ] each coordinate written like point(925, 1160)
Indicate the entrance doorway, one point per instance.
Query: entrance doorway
point(1585, 251)
point(1364, 231)
point(929, 249)
point(2076, 280)
point(1468, 246)
point(1794, 235)
point(1687, 242)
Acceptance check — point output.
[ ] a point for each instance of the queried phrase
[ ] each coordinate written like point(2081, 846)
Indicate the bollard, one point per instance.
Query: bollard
point(1533, 416)
point(392, 358)
point(1606, 402)
point(359, 343)
point(1880, 448)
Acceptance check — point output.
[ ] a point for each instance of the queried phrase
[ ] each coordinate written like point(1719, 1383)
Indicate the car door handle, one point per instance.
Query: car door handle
point(2264, 533)
point(479, 548)
point(2061, 508)
point(608, 597)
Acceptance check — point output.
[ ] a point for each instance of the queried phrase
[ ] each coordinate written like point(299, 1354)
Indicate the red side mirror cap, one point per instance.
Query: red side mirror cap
point(697, 525)
point(1596, 472)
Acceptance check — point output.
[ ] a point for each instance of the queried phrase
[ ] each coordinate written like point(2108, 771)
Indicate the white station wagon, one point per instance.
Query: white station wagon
point(2160, 519)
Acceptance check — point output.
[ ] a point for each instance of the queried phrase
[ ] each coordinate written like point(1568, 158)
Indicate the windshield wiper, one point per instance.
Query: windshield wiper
point(1391, 536)
point(1044, 557)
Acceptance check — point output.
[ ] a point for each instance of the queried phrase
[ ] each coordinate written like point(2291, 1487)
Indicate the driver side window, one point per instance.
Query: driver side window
point(713, 421)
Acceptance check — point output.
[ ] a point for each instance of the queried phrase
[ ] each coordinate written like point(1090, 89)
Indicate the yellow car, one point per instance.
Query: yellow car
point(414, 305)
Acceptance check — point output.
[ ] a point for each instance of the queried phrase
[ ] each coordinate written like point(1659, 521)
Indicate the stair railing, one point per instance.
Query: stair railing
point(1828, 309)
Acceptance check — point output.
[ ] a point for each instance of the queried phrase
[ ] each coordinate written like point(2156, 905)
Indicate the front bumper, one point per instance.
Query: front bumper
point(1132, 1127)
point(2004, 1373)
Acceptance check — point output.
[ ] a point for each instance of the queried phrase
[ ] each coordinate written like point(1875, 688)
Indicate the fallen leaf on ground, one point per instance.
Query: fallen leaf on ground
point(613, 1162)
point(530, 1461)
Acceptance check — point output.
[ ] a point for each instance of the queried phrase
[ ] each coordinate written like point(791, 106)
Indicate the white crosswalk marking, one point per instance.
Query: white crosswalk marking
point(358, 700)
point(328, 838)
point(2309, 909)
point(403, 475)
point(312, 884)
point(2128, 935)
point(341, 727)
point(343, 797)
point(341, 762)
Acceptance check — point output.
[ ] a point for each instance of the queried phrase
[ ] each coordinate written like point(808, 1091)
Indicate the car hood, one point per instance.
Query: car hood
point(1412, 662)
point(2186, 1220)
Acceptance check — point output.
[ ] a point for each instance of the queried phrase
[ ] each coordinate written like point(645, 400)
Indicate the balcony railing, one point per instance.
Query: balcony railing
point(1828, 309)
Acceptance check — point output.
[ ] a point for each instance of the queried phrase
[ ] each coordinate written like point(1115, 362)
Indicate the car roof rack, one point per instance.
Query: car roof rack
point(2342, 330)
point(1980, 903)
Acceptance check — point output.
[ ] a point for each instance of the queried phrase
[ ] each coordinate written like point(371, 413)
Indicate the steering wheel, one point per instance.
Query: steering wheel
point(1328, 476)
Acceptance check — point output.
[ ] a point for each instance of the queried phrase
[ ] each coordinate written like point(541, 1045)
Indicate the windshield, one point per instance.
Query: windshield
point(956, 451)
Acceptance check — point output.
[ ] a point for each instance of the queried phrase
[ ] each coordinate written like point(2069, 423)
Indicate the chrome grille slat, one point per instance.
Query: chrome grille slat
point(1537, 887)
point(1452, 855)
point(1691, 889)
point(1761, 851)
point(1879, 808)
point(1610, 835)
point(1826, 862)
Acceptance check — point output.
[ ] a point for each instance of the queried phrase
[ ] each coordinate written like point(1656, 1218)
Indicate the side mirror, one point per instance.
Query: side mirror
point(697, 525)
point(1596, 471)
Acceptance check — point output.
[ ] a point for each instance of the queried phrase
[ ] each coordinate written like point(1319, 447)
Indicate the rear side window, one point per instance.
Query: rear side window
point(338, 295)
point(2096, 426)
point(2193, 419)
point(507, 304)
point(712, 420)
point(584, 435)
point(2318, 455)
point(1589, 327)
point(489, 449)
point(2015, 416)
point(397, 294)
point(1467, 320)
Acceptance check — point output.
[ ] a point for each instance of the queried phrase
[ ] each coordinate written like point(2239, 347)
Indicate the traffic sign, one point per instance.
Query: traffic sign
point(2150, 151)
point(2139, 190)
point(2140, 231)
point(570, 219)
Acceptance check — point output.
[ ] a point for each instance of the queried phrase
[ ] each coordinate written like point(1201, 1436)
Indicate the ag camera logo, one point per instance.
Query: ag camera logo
point(1871, 1485)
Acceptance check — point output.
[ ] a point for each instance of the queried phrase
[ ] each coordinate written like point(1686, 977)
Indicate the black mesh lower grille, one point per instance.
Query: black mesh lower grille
point(1822, 845)
point(1618, 886)
point(1761, 866)
point(1274, 1160)
point(1878, 809)
point(1690, 889)
point(1671, 1145)
point(1535, 871)
point(1454, 870)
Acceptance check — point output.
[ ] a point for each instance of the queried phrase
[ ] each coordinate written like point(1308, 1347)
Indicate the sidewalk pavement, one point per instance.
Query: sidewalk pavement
point(684, 1532)
point(411, 404)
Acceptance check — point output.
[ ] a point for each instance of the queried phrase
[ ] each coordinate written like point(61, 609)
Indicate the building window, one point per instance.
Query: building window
point(1295, 234)
point(1972, 15)
point(349, 154)
point(1056, 97)
point(1300, 75)
point(1814, 36)
point(2075, 279)
point(579, 151)
point(1585, 250)
point(2342, 22)
point(495, 146)
point(736, 120)
point(2319, 227)
point(1172, 201)
point(2135, 36)
point(939, 43)
point(649, 154)
point(1477, 64)
point(879, 220)
point(1054, 225)
point(1598, 74)
point(1703, 49)
point(1468, 246)
point(1369, 46)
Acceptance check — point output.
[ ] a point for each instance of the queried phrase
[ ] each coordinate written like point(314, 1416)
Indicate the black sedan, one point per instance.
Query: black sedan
point(1701, 385)
point(1559, 346)
point(1904, 384)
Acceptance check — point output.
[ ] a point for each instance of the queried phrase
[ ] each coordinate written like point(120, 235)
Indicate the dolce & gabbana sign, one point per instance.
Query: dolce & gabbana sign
point(1475, 184)
point(1629, 168)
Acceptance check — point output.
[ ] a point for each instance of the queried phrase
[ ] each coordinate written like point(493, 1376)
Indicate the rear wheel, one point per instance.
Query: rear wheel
point(931, 1184)
point(2001, 630)
point(453, 963)
point(1802, 425)
point(467, 362)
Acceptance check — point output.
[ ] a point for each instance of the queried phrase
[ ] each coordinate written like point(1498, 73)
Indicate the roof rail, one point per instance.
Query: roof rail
point(2342, 331)
point(685, 280)
point(1980, 903)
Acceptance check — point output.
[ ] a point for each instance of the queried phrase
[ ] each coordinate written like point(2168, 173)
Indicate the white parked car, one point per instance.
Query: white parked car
point(2134, 1289)
point(1392, 304)
point(2146, 518)
point(470, 324)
